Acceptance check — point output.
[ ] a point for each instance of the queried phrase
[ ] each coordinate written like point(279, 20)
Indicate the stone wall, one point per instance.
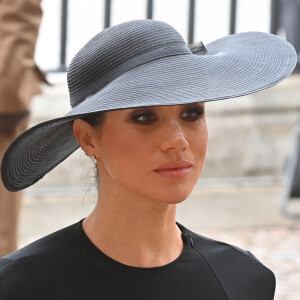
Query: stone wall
point(253, 135)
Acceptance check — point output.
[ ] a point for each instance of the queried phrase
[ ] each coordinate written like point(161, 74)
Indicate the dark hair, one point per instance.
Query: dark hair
point(95, 119)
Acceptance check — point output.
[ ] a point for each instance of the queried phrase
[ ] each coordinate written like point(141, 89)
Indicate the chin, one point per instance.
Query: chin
point(173, 197)
point(178, 200)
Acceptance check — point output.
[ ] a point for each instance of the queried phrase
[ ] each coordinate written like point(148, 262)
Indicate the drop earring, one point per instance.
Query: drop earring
point(94, 159)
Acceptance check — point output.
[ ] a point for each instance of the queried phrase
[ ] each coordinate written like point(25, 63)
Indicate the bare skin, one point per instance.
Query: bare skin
point(134, 219)
point(148, 239)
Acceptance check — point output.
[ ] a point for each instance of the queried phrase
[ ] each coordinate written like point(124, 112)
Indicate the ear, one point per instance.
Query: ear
point(86, 136)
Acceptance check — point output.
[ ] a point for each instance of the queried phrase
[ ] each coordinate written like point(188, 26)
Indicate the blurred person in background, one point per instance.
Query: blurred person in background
point(19, 81)
point(289, 20)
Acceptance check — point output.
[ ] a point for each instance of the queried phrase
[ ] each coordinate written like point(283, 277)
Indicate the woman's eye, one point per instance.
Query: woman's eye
point(144, 118)
point(192, 114)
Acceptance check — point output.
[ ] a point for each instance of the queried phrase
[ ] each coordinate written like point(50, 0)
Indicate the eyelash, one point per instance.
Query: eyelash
point(150, 116)
point(197, 112)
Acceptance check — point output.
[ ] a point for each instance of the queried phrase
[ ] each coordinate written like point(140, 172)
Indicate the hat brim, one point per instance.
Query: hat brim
point(234, 66)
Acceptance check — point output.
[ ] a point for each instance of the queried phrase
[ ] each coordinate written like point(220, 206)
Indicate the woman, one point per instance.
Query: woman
point(137, 95)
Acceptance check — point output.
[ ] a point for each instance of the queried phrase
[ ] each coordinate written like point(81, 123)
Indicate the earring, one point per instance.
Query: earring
point(94, 159)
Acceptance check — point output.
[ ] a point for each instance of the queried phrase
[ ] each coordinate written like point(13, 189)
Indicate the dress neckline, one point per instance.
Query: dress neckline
point(187, 247)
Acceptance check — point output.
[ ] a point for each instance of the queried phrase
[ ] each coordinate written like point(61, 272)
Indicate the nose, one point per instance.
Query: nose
point(174, 139)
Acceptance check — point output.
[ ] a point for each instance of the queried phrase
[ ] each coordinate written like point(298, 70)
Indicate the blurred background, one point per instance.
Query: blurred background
point(252, 139)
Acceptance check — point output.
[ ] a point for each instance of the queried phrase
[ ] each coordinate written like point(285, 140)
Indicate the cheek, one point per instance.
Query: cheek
point(203, 141)
point(199, 144)
point(122, 153)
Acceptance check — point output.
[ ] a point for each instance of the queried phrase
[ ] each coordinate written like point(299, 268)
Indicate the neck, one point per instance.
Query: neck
point(137, 232)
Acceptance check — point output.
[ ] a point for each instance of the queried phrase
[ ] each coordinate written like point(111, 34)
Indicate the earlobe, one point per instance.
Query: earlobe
point(85, 135)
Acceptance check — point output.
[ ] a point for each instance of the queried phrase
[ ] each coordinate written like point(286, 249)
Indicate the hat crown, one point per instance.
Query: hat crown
point(87, 73)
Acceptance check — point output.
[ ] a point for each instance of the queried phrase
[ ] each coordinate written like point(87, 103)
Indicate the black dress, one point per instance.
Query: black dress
point(67, 265)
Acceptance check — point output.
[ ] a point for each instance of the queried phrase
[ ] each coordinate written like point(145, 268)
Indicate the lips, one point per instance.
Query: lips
point(175, 169)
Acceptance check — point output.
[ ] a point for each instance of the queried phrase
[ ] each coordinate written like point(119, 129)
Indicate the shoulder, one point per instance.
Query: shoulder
point(48, 262)
point(237, 270)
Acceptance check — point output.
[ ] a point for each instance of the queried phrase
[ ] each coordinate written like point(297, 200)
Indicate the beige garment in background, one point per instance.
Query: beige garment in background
point(19, 81)
point(9, 202)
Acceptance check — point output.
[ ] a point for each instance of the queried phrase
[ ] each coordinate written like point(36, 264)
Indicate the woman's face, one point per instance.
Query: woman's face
point(155, 153)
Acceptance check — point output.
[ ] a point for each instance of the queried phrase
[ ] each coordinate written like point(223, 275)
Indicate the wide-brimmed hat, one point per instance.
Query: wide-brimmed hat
point(146, 63)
